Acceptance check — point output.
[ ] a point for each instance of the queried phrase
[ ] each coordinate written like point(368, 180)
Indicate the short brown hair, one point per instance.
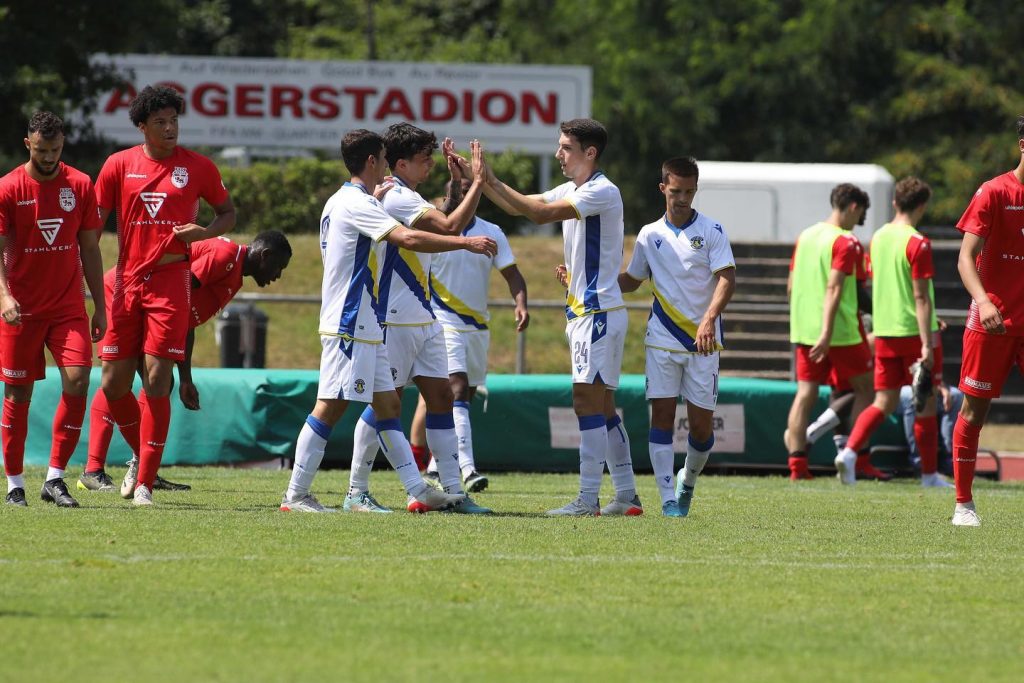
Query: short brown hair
point(911, 193)
point(47, 124)
point(845, 194)
point(588, 132)
point(681, 167)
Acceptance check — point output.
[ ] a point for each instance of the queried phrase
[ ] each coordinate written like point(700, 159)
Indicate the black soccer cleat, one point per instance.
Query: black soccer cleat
point(16, 497)
point(475, 482)
point(161, 484)
point(56, 491)
point(921, 383)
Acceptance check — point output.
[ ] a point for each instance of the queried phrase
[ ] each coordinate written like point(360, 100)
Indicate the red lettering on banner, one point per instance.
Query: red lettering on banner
point(490, 96)
point(323, 102)
point(285, 96)
point(395, 103)
point(359, 111)
point(247, 97)
point(430, 96)
point(120, 98)
point(210, 99)
point(467, 106)
point(532, 104)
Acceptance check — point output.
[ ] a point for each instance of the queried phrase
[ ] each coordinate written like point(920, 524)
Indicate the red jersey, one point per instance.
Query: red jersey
point(40, 222)
point(151, 196)
point(996, 213)
point(217, 264)
point(847, 257)
point(919, 254)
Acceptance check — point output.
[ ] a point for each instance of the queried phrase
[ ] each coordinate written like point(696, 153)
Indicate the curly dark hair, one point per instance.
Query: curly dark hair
point(589, 133)
point(47, 124)
point(847, 193)
point(359, 145)
point(911, 193)
point(404, 141)
point(153, 99)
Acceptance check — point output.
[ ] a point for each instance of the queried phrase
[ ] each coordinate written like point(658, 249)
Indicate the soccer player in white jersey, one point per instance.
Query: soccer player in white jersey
point(414, 339)
point(458, 294)
point(590, 208)
point(354, 364)
point(689, 261)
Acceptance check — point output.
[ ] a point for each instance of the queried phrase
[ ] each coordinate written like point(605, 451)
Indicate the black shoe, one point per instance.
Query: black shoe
point(56, 491)
point(921, 382)
point(475, 482)
point(161, 484)
point(16, 497)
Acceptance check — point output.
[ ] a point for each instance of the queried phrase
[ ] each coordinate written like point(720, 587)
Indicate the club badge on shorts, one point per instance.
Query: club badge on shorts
point(360, 386)
point(66, 199)
point(179, 177)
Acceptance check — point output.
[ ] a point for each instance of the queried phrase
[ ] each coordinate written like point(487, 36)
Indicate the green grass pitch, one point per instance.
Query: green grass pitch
point(765, 581)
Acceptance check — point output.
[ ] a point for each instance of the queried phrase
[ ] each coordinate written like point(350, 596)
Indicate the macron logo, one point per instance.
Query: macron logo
point(153, 201)
point(50, 227)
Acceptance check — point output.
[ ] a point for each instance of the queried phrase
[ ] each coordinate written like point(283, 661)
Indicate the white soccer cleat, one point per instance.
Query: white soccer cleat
point(143, 496)
point(306, 503)
point(577, 508)
point(433, 499)
point(618, 508)
point(935, 481)
point(966, 515)
point(846, 467)
point(131, 477)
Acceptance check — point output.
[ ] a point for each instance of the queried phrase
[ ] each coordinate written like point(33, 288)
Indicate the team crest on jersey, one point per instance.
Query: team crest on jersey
point(697, 242)
point(153, 201)
point(360, 386)
point(179, 177)
point(50, 227)
point(66, 199)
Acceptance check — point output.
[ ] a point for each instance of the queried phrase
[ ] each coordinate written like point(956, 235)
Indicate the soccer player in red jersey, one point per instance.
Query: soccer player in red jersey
point(49, 236)
point(217, 266)
point(991, 266)
point(155, 188)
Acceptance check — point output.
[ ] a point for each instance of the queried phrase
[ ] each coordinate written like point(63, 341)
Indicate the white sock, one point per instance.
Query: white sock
point(840, 441)
point(54, 473)
point(464, 433)
point(399, 453)
point(432, 465)
point(364, 452)
point(444, 444)
point(659, 444)
point(826, 421)
point(620, 463)
point(15, 481)
point(593, 446)
point(696, 457)
point(309, 453)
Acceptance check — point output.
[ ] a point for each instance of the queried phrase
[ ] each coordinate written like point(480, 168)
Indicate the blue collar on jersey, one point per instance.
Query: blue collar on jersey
point(593, 175)
point(684, 226)
point(359, 185)
point(469, 227)
point(399, 181)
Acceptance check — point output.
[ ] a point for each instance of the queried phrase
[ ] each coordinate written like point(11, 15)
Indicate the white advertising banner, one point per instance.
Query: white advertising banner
point(565, 427)
point(296, 103)
point(728, 425)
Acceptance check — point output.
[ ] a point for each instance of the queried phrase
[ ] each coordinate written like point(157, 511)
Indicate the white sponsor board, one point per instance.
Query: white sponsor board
point(297, 103)
point(565, 427)
point(728, 425)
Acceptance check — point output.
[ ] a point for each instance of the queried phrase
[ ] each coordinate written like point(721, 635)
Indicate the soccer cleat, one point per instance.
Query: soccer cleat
point(432, 478)
point(468, 507)
point(56, 491)
point(921, 383)
point(16, 497)
point(865, 470)
point(577, 508)
point(617, 508)
point(130, 478)
point(307, 503)
point(161, 484)
point(819, 429)
point(432, 500)
point(798, 469)
point(684, 495)
point(670, 508)
point(363, 502)
point(934, 481)
point(142, 495)
point(475, 482)
point(965, 515)
point(95, 481)
point(846, 468)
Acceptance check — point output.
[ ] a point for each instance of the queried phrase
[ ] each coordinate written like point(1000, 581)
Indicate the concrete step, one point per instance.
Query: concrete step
point(755, 361)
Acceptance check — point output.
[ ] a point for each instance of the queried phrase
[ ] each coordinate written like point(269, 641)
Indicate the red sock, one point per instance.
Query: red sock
point(926, 434)
point(422, 456)
point(14, 428)
point(101, 430)
point(867, 423)
point(965, 454)
point(67, 428)
point(125, 412)
point(156, 420)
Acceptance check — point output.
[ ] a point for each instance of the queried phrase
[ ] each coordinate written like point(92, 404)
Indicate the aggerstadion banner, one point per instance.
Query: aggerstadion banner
point(295, 103)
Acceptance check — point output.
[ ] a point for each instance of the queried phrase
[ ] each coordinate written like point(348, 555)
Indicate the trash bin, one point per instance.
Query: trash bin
point(241, 332)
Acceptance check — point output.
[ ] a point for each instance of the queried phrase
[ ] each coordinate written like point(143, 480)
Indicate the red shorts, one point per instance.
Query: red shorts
point(893, 358)
point(987, 360)
point(842, 364)
point(150, 315)
point(21, 346)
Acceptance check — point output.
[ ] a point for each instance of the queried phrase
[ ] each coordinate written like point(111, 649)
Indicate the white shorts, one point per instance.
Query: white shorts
point(690, 375)
point(416, 351)
point(467, 352)
point(353, 370)
point(596, 342)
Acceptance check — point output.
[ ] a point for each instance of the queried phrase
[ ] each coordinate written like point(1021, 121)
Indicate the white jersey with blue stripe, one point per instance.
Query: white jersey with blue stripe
point(404, 278)
point(593, 245)
point(459, 280)
point(681, 262)
point(353, 223)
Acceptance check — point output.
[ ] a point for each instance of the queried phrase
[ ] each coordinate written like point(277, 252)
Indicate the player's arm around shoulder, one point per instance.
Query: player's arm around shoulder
point(638, 268)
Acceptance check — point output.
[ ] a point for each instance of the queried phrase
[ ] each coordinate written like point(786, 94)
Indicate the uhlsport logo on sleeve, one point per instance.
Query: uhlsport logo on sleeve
point(179, 177)
point(153, 201)
point(50, 227)
point(66, 199)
